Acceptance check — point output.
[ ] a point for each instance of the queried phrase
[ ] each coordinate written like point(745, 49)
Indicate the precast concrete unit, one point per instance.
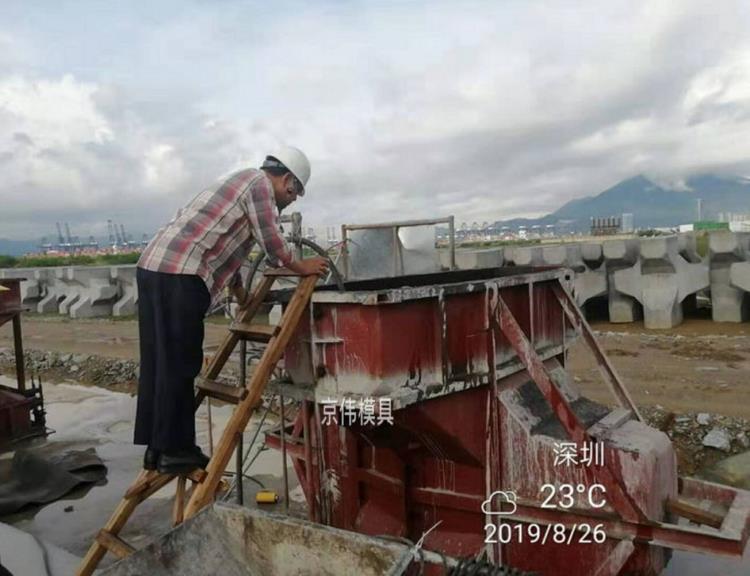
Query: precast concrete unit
point(729, 301)
point(661, 279)
point(127, 291)
point(89, 291)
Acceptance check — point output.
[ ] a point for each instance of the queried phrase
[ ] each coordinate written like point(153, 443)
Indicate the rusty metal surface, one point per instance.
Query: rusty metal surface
point(15, 414)
point(458, 358)
point(17, 406)
point(613, 380)
point(412, 339)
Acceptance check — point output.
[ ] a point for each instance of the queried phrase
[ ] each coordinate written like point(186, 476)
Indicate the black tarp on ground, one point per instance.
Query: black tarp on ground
point(32, 478)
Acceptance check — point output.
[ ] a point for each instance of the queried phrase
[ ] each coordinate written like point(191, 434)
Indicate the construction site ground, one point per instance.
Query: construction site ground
point(699, 368)
point(687, 381)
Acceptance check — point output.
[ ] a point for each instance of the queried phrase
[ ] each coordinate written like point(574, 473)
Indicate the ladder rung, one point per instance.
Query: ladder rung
point(255, 332)
point(221, 391)
point(116, 545)
point(142, 484)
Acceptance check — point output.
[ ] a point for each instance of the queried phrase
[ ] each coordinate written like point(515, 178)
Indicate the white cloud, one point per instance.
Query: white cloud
point(164, 169)
point(53, 113)
point(484, 110)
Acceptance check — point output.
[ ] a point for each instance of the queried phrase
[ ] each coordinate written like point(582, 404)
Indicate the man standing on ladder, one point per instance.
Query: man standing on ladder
point(181, 272)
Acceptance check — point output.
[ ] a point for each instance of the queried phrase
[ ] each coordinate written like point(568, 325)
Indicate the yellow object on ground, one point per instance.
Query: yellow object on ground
point(266, 497)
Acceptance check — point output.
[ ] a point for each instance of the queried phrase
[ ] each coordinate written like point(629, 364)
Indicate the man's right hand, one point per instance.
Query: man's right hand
point(310, 266)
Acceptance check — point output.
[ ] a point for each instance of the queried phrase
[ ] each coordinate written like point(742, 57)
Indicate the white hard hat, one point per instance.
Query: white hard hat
point(294, 160)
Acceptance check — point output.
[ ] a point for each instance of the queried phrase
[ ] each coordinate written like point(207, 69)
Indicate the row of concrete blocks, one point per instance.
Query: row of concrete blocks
point(79, 292)
point(647, 277)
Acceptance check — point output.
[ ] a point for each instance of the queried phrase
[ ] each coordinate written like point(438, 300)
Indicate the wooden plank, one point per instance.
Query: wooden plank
point(117, 546)
point(221, 391)
point(118, 519)
point(280, 273)
point(204, 493)
point(230, 340)
point(254, 332)
point(178, 509)
point(207, 483)
point(149, 482)
point(141, 483)
point(694, 513)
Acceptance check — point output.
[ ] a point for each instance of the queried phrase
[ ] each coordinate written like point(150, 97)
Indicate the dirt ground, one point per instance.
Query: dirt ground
point(700, 366)
point(101, 337)
point(674, 375)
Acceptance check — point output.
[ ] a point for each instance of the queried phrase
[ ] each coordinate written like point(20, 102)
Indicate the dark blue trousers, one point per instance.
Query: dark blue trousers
point(171, 308)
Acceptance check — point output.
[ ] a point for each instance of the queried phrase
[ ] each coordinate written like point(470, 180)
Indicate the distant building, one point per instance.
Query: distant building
point(627, 223)
point(733, 217)
point(606, 226)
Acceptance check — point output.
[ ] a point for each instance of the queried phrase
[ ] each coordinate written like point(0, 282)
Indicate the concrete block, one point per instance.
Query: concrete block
point(660, 280)
point(471, 259)
point(592, 254)
point(587, 283)
point(739, 275)
point(69, 288)
point(563, 255)
point(127, 290)
point(592, 282)
point(688, 247)
point(619, 255)
point(89, 291)
point(729, 301)
point(527, 256)
point(54, 291)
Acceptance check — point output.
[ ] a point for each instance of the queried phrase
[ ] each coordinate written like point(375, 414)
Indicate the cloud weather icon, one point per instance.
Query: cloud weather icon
point(506, 496)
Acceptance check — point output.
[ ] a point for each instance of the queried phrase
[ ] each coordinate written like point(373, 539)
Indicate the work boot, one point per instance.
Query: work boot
point(181, 461)
point(150, 459)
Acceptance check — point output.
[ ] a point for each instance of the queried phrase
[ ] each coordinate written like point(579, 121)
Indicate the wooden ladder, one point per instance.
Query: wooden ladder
point(206, 483)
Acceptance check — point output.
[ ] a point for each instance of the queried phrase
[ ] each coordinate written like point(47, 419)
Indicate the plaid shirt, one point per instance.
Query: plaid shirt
point(212, 236)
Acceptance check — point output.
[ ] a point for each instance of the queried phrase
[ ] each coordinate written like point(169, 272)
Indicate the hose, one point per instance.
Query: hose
point(333, 270)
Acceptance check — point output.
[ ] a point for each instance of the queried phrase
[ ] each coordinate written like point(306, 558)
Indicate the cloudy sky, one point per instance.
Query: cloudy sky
point(485, 110)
